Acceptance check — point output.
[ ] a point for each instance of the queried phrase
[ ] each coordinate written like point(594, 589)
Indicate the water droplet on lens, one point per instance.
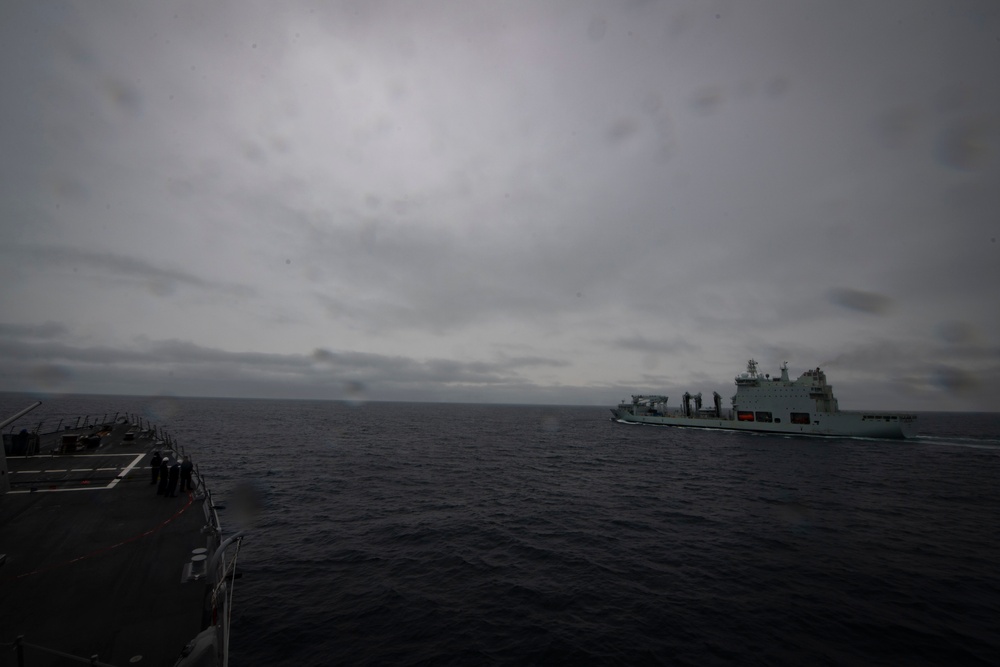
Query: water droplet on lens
point(354, 393)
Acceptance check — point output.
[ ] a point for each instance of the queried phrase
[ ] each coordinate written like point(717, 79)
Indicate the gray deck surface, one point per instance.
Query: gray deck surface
point(94, 565)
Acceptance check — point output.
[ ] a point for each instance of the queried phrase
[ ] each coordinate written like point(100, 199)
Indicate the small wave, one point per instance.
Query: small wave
point(992, 444)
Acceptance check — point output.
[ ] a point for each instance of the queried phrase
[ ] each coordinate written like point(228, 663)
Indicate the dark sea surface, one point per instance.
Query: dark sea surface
point(437, 534)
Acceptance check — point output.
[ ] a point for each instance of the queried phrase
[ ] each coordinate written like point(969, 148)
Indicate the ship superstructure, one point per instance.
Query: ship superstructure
point(804, 406)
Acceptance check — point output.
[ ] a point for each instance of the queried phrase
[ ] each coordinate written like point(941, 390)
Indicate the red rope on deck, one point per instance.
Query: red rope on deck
point(104, 550)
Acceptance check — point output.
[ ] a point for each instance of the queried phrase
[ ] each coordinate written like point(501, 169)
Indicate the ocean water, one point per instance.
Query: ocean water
point(430, 534)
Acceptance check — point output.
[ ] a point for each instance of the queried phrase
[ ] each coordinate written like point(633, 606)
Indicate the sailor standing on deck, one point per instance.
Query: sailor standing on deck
point(175, 472)
point(155, 466)
point(164, 470)
point(186, 468)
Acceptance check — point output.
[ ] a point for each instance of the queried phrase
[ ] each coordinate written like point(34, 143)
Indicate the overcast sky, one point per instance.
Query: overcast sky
point(543, 202)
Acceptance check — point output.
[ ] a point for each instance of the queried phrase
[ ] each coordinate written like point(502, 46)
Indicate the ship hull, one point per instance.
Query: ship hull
point(833, 425)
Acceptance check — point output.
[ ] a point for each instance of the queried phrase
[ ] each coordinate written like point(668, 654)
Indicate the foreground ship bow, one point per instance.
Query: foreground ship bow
point(97, 565)
point(805, 406)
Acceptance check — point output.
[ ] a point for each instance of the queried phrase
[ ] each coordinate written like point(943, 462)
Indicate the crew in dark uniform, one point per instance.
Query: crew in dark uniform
point(175, 472)
point(161, 490)
point(186, 468)
point(155, 466)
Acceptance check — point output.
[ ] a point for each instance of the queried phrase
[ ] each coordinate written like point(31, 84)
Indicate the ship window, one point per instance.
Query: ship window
point(799, 417)
point(764, 416)
point(744, 416)
point(777, 420)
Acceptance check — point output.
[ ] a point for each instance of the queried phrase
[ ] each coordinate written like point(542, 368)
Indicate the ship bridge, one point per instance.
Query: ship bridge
point(762, 398)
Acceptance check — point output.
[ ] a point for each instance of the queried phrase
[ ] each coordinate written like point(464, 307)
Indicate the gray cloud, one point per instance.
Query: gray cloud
point(163, 366)
point(860, 301)
point(13, 330)
point(98, 264)
point(547, 202)
point(642, 344)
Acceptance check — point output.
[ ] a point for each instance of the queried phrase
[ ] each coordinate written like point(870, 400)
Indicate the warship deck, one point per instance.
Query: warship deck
point(93, 559)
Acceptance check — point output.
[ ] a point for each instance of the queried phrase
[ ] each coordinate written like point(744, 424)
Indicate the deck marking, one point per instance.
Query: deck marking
point(126, 471)
point(53, 489)
point(104, 550)
point(68, 456)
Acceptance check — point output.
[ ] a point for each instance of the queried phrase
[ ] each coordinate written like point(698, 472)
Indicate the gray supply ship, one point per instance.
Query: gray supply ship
point(99, 565)
point(805, 406)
